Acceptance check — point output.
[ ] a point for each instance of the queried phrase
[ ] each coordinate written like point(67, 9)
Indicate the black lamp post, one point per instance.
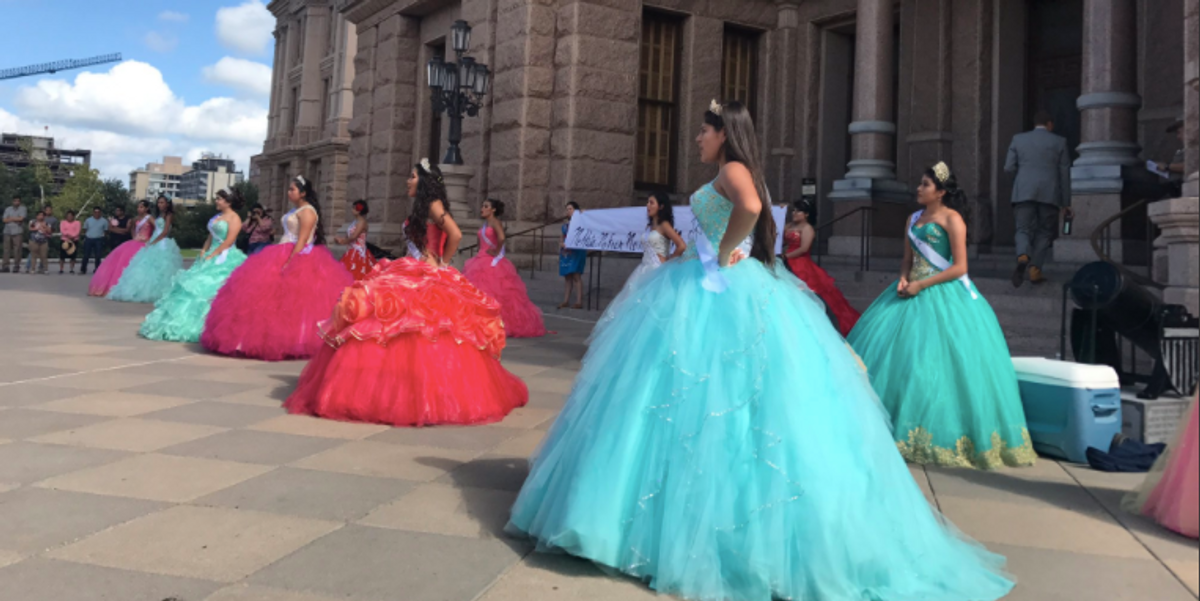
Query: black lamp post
point(458, 88)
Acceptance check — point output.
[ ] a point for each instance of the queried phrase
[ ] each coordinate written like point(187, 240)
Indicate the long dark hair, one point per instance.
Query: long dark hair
point(955, 198)
point(170, 206)
point(497, 207)
point(666, 212)
point(233, 197)
point(741, 146)
point(145, 203)
point(807, 208)
point(430, 187)
point(310, 196)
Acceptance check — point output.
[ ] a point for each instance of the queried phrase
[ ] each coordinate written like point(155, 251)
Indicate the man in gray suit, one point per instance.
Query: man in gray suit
point(1041, 191)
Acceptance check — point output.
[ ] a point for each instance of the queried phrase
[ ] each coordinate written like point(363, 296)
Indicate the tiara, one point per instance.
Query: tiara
point(715, 108)
point(941, 171)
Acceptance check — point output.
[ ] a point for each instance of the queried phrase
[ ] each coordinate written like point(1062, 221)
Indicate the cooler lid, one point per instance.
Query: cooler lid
point(1065, 373)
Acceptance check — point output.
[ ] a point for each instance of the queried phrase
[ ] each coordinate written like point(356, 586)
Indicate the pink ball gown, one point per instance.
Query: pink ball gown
point(109, 272)
point(270, 312)
point(1171, 492)
point(411, 345)
point(497, 277)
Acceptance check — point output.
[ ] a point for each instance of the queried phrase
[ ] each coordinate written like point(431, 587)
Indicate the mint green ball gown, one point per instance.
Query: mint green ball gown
point(179, 315)
point(150, 271)
point(942, 368)
point(722, 443)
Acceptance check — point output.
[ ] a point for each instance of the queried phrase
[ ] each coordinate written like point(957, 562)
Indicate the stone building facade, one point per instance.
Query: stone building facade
point(599, 101)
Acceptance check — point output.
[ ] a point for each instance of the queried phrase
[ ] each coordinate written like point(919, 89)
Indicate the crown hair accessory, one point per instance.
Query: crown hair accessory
point(715, 107)
point(941, 171)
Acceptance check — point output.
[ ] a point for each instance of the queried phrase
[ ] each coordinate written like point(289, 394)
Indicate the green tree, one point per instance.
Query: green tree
point(82, 188)
point(116, 195)
point(249, 193)
point(191, 225)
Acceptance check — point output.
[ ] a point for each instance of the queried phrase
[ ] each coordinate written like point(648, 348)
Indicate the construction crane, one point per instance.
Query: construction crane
point(56, 66)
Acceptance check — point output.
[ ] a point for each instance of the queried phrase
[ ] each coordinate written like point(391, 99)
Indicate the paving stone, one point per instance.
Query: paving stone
point(374, 564)
point(26, 423)
point(26, 462)
point(303, 425)
point(22, 395)
point(108, 380)
point(38, 579)
point(474, 438)
point(34, 519)
point(496, 472)
point(130, 434)
point(247, 446)
point(220, 544)
point(445, 509)
point(310, 493)
point(225, 415)
point(112, 404)
point(242, 592)
point(542, 577)
point(157, 478)
point(1048, 575)
point(382, 460)
point(190, 389)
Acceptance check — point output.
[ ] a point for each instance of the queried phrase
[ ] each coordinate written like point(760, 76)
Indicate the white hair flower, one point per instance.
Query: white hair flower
point(425, 165)
point(715, 108)
point(941, 171)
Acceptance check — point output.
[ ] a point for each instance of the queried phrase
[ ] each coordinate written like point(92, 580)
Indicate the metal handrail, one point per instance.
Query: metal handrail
point(539, 238)
point(1101, 240)
point(865, 228)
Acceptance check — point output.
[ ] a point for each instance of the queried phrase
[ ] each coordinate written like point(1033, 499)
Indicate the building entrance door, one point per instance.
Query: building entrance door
point(1054, 68)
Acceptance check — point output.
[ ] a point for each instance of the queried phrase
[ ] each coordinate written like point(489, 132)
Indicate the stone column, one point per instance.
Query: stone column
point(1107, 173)
point(871, 178)
point(783, 152)
point(284, 121)
point(1179, 218)
point(316, 32)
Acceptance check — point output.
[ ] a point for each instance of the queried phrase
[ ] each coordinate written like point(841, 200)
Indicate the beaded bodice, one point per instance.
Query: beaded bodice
point(159, 225)
point(654, 246)
point(933, 235)
point(219, 228)
point(291, 226)
point(144, 229)
point(712, 212)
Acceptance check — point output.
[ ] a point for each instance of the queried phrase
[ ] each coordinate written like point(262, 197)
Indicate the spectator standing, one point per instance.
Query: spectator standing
point(94, 228)
point(52, 221)
point(14, 234)
point(39, 243)
point(261, 229)
point(119, 229)
point(69, 229)
point(1042, 163)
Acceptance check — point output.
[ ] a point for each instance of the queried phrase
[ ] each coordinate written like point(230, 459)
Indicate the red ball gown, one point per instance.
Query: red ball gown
point(358, 259)
point(411, 345)
point(497, 277)
point(821, 283)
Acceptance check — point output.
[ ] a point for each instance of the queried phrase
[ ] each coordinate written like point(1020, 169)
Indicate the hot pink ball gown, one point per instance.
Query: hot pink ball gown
point(270, 312)
point(1171, 492)
point(497, 277)
point(109, 272)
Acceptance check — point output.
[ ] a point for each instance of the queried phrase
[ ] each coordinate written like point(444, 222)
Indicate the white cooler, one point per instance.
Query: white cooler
point(1069, 406)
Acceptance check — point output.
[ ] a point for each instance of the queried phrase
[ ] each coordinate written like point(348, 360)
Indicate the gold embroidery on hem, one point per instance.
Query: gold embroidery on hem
point(919, 448)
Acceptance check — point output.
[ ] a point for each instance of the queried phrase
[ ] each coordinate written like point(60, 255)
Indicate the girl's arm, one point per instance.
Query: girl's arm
point(957, 229)
point(737, 184)
point(668, 230)
point(446, 222)
point(235, 227)
point(905, 265)
point(204, 249)
point(498, 230)
point(166, 230)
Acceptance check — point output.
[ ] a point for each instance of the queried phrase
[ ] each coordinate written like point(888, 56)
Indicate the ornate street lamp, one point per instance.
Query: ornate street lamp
point(458, 88)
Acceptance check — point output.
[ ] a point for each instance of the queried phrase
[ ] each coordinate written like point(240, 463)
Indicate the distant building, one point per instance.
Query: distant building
point(209, 175)
point(20, 151)
point(157, 178)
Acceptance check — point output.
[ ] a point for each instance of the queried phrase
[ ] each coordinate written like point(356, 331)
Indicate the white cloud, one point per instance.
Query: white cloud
point(247, 28)
point(240, 74)
point(173, 17)
point(161, 43)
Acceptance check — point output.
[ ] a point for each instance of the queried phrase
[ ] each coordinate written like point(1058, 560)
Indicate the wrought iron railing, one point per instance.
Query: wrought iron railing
point(538, 233)
point(866, 214)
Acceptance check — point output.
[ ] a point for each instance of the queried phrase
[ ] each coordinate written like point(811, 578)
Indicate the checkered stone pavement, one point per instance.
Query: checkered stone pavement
point(138, 470)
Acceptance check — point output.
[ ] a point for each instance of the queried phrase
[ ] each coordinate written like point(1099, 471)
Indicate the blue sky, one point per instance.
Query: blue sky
point(194, 77)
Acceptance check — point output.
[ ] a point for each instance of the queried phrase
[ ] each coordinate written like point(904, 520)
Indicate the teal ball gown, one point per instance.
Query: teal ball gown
point(149, 274)
point(722, 442)
point(179, 315)
point(942, 368)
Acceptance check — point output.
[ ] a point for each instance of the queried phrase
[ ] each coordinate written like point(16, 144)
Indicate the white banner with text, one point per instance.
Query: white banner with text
point(621, 230)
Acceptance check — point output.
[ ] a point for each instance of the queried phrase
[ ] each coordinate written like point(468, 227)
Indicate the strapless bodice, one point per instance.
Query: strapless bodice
point(291, 226)
point(712, 212)
point(219, 229)
point(937, 239)
point(654, 246)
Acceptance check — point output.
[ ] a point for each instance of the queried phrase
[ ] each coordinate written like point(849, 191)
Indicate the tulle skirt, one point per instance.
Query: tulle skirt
point(619, 303)
point(942, 368)
point(149, 274)
point(109, 272)
point(824, 286)
point(522, 318)
point(179, 315)
point(728, 447)
point(1171, 492)
point(269, 312)
point(410, 345)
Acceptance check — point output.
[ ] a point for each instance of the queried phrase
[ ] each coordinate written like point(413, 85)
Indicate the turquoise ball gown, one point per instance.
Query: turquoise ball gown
point(722, 442)
point(149, 274)
point(942, 368)
point(180, 314)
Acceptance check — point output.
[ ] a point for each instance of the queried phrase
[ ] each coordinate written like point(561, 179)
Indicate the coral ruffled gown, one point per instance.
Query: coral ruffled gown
point(721, 442)
point(821, 283)
point(358, 259)
point(1171, 492)
point(180, 314)
point(109, 272)
point(411, 345)
point(270, 312)
point(497, 277)
point(150, 272)
point(941, 366)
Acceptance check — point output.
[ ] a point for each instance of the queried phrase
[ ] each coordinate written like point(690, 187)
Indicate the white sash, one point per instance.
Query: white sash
point(932, 255)
point(492, 243)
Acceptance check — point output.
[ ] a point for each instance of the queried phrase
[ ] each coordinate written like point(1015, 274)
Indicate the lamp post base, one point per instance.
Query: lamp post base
point(458, 180)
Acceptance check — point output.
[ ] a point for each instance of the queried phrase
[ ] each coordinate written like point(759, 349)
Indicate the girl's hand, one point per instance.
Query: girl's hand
point(912, 289)
point(902, 285)
point(734, 258)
